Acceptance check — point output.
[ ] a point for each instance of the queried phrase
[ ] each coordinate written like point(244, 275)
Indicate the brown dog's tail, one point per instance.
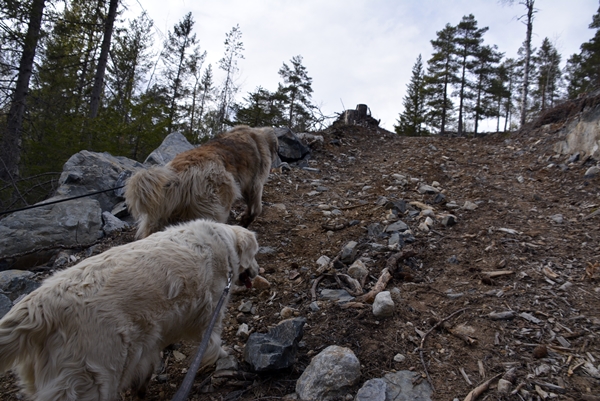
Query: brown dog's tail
point(145, 198)
point(18, 332)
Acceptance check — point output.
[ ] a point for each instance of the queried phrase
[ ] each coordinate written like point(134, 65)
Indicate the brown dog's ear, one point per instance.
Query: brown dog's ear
point(246, 246)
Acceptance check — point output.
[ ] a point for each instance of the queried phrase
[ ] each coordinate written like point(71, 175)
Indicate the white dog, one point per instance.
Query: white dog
point(97, 328)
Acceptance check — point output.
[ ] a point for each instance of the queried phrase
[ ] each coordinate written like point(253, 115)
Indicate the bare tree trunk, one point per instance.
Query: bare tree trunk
point(530, 11)
point(10, 151)
point(101, 69)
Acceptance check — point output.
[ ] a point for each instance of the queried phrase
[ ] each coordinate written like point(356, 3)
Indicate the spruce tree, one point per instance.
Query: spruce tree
point(411, 120)
point(468, 44)
point(441, 72)
point(547, 64)
point(297, 91)
point(583, 69)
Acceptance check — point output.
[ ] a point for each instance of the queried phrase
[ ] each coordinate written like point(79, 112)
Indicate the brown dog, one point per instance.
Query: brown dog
point(205, 182)
point(97, 328)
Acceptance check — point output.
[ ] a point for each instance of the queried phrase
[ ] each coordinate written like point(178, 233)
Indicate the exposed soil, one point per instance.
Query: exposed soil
point(549, 271)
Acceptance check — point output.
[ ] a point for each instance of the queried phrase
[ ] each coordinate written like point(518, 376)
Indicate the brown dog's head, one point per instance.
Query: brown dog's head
point(247, 247)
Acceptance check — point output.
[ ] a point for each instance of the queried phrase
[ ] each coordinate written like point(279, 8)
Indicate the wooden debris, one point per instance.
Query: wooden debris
point(458, 333)
point(529, 317)
point(465, 376)
point(313, 289)
point(502, 315)
point(334, 226)
point(550, 387)
point(477, 391)
point(497, 273)
point(382, 282)
point(425, 337)
point(386, 275)
point(481, 369)
point(349, 284)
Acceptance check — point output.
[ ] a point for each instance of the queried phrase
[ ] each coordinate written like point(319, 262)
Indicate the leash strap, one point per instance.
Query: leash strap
point(188, 380)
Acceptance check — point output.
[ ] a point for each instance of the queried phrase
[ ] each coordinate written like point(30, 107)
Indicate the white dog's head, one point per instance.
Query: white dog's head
point(247, 247)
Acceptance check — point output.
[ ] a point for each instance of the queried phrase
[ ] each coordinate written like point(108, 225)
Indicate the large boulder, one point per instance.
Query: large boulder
point(171, 146)
point(291, 148)
point(87, 172)
point(73, 223)
point(581, 133)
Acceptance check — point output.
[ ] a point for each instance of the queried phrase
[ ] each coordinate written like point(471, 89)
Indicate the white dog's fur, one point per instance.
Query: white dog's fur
point(97, 328)
point(204, 182)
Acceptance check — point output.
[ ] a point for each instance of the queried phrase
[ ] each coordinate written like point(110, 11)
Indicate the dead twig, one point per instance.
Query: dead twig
point(349, 284)
point(313, 289)
point(477, 391)
point(425, 337)
point(382, 282)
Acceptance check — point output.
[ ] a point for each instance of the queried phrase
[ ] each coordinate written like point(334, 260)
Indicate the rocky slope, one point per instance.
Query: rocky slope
point(509, 291)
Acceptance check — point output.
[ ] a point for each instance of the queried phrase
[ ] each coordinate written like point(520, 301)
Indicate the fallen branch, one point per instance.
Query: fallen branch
point(349, 284)
point(477, 391)
point(382, 282)
point(313, 290)
point(425, 337)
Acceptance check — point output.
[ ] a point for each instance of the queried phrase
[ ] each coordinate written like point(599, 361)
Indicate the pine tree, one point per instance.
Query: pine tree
point(10, 149)
point(468, 44)
point(178, 56)
point(262, 108)
point(233, 52)
point(412, 118)
point(547, 64)
point(297, 91)
point(441, 72)
point(583, 69)
point(485, 65)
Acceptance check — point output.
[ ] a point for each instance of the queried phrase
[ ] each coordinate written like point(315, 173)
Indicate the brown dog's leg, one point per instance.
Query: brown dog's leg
point(253, 199)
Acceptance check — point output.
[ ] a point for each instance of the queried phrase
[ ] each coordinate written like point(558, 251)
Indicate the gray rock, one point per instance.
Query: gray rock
point(358, 270)
point(314, 306)
point(336, 295)
point(573, 158)
point(87, 172)
point(171, 146)
point(383, 306)
point(469, 205)
point(397, 206)
point(395, 241)
point(276, 349)
point(449, 220)
point(428, 189)
point(16, 283)
point(372, 390)
point(120, 210)
point(592, 171)
point(349, 252)
point(76, 222)
point(227, 363)
point(5, 305)
point(374, 230)
point(397, 226)
point(439, 198)
point(329, 375)
point(399, 387)
point(291, 148)
point(112, 223)
point(557, 218)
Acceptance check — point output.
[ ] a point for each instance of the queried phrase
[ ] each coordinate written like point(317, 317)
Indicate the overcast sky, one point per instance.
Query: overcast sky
point(358, 51)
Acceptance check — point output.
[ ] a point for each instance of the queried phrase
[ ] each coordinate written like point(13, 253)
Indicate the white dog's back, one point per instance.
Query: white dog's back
point(97, 328)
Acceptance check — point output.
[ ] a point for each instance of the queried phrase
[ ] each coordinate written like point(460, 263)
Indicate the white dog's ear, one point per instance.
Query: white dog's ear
point(246, 246)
